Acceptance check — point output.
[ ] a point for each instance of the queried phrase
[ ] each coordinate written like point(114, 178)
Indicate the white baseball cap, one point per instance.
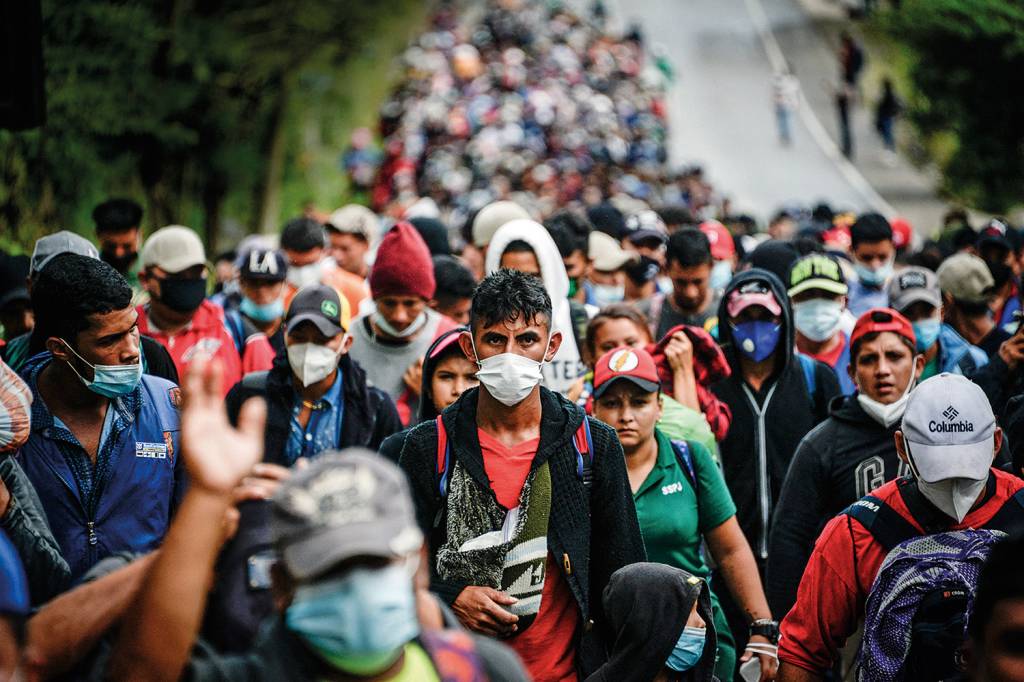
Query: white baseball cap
point(606, 254)
point(948, 427)
point(173, 249)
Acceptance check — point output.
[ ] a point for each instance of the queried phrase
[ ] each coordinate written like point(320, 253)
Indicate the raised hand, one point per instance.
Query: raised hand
point(217, 455)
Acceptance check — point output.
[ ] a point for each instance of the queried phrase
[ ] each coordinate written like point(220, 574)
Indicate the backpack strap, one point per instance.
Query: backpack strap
point(884, 523)
point(685, 457)
point(1010, 517)
point(256, 381)
point(583, 443)
point(808, 366)
point(443, 458)
point(236, 328)
point(454, 655)
point(967, 364)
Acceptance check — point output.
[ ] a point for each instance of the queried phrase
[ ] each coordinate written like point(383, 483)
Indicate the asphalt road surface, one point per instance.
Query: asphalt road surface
point(721, 110)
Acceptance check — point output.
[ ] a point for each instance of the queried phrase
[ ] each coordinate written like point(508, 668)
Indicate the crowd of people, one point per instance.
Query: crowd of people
point(541, 410)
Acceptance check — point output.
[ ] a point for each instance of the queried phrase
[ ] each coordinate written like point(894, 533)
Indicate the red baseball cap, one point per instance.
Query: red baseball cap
point(902, 232)
point(722, 246)
point(631, 364)
point(882, 320)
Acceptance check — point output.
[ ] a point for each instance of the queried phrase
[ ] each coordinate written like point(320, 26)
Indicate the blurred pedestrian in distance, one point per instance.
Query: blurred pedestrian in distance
point(304, 244)
point(259, 306)
point(454, 288)
point(887, 110)
point(967, 288)
point(607, 276)
point(15, 303)
point(119, 232)
point(692, 300)
point(818, 291)
point(874, 257)
point(786, 100)
point(352, 231)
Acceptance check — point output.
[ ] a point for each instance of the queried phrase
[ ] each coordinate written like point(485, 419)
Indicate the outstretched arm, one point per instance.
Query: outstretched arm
point(66, 629)
point(159, 632)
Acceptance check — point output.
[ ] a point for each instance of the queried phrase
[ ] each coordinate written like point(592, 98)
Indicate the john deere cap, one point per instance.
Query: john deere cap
point(321, 305)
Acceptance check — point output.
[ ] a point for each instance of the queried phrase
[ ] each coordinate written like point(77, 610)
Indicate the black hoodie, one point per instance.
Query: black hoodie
point(648, 606)
point(767, 425)
point(844, 458)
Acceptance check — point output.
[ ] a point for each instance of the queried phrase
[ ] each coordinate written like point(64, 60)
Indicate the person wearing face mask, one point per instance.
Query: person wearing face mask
point(948, 438)
point(104, 440)
point(818, 291)
point(305, 246)
point(967, 288)
point(681, 500)
point(914, 292)
point(664, 627)
point(513, 444)
point(723, 252)
point(607, 276)
point(259, 306)
point(390, 341)
point(775, 396)
point(317, 397)
point(347, 549)
point(119, 232)
point(873, 257)
point(525, 246)
point(179, 317)
point(851, 453)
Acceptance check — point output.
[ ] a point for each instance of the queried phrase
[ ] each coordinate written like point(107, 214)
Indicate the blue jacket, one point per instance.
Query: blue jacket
point(125, 501)
point(956, 356)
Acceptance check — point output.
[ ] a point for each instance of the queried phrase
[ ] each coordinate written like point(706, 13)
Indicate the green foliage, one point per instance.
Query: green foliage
point(171, 102)
point(968, 58)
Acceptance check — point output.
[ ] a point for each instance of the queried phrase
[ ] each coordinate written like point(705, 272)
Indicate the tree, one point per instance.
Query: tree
point(969, 57)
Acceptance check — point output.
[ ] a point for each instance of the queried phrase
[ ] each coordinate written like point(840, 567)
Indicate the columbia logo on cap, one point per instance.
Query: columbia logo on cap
point(950, 413)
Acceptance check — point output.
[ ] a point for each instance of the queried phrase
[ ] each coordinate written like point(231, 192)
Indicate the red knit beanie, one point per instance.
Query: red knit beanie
point(403, 266)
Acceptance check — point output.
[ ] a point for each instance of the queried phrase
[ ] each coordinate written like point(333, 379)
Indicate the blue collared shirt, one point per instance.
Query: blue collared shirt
point(323, 431)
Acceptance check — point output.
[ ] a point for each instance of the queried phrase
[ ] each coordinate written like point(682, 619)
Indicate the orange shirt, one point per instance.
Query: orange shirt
point(351, 286)
point(547, 647)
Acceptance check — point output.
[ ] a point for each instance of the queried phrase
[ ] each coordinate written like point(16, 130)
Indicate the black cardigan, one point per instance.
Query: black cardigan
point(589, 537)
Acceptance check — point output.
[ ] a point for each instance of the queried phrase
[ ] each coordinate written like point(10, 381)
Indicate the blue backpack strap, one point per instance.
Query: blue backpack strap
point(685, 457)
point(235, 327)
point(807, 365)
point(583, 443)
point(444, 458)
point(883, 522)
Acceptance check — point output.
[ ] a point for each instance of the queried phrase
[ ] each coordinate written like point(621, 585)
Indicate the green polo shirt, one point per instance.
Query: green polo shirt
point(673, 519)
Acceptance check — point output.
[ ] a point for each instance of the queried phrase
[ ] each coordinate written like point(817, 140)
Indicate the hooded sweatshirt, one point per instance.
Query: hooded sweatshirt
point(567, 365)
point(843, 459)
point(647, 606)
point(767, 425)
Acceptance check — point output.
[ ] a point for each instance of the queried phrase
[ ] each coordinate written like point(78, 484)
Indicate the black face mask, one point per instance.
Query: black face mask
point(182, 295)
point(119, 263)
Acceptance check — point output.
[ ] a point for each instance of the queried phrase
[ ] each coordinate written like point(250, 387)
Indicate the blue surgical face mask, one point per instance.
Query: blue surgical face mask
point(926, 332)
point(360, 622)
point(109, 381)
point(688, 649)
point(721, 273)
point(262, 312)
point(606, 294)
point(757, 339)
point(818, 318)
point(873, 278)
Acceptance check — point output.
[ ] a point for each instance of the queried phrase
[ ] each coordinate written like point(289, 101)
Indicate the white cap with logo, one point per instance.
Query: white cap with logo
point(948, 428)
point(173, 248)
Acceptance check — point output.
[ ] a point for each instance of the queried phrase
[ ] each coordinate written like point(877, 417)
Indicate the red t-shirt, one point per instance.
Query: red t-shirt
point(547, 647)
point(832, 357)
point(834, 587)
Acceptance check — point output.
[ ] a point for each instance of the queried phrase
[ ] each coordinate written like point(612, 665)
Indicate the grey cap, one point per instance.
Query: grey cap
point(345, 504)
point(911, 285)
point(948, 427)
point(966, 278)
point(60, 242)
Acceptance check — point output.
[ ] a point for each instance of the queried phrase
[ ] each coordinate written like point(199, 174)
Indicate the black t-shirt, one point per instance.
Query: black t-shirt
point(990, 344)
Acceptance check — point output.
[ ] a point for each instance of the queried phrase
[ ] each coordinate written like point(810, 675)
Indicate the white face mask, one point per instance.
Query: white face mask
point(305, 275)
point(817, 318)
point(508, 377)
point(410, 330)
point(954, 496)
point(606, 294)
point(312, 362)
point(887, 415)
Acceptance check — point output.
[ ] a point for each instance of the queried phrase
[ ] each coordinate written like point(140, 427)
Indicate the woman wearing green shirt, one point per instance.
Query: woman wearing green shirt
point(680, 500)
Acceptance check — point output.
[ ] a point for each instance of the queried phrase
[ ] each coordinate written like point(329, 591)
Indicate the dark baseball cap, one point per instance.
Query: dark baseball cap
point(268, 265)
point(343, 505)
point(817, 271)
point(321, 305)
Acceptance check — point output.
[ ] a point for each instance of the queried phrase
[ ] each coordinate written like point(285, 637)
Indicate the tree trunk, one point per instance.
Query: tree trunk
point(270, 202)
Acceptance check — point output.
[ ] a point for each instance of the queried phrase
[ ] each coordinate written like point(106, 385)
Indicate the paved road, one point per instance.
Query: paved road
point(721, 109)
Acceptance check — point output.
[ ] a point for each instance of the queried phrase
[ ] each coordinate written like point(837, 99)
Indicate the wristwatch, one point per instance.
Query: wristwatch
point(767, 628)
